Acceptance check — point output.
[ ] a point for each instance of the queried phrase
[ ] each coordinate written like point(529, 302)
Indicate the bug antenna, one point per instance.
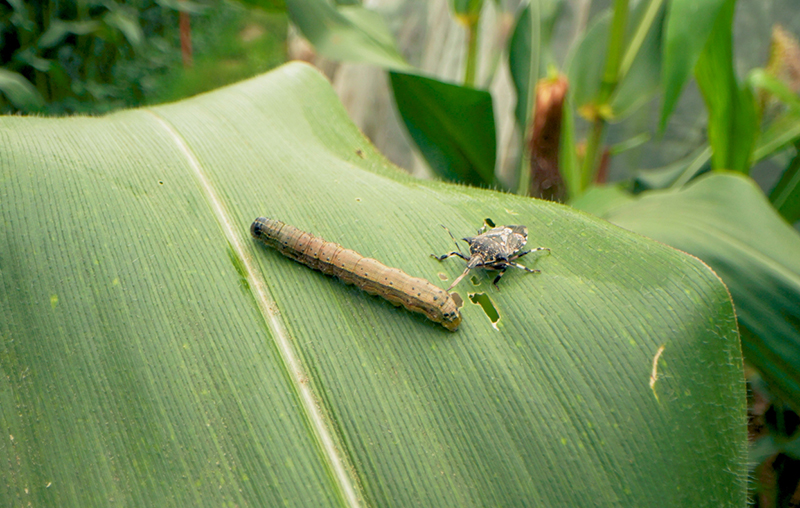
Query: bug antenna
point(453, 237)
point(458, 279)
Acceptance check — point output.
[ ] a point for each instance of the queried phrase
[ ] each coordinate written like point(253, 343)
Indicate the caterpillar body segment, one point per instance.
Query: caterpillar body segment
point(394, 285)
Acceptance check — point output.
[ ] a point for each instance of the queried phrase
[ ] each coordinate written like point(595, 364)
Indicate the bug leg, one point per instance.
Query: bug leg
point(517, 265)
point(454, 239)
point(522, 253)
point(497, 279)
point(445, 256)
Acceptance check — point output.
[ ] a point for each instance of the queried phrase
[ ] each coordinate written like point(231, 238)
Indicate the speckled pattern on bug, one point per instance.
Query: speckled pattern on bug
point(495, 249)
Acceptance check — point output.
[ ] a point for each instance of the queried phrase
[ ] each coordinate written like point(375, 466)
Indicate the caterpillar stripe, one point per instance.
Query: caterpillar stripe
point(391, 284)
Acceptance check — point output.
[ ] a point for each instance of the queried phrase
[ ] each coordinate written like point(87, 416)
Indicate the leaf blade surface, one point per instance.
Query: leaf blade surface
point(171, 383)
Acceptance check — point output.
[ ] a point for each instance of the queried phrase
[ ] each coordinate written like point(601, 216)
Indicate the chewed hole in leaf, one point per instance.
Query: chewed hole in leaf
point(475, 280)
point(486, 304)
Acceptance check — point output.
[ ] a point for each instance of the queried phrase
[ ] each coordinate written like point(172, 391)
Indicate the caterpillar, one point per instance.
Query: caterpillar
point(370, 275)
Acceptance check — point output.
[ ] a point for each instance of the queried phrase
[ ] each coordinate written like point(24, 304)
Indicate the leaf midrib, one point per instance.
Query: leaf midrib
point(292, 365)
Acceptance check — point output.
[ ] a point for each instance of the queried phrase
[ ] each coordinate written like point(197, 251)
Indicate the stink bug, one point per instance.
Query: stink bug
point(495, 249)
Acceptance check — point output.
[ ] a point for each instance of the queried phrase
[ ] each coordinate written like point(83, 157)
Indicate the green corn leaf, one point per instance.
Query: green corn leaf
point(725, 220)
point(153, 354)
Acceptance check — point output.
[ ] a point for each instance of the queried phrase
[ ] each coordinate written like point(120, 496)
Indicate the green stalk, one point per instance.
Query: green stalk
point(472, 51)
point(43, 83)
point(591, 158)
point(611, 73)
point(524, 180)
point(83, 43)
point(638, 37)
point(27, 39)
point(567, 155)
point(616, 40)
point(524, 168)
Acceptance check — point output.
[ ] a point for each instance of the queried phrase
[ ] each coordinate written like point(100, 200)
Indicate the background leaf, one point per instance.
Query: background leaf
point(689, 25)
point(641, 76)
point(358, 36)
point(732, 119)
point(599, 200)
point(188, 6)
point(153, 354)
point(782, 132)
point(127, 23)
point(641, 81)
point(524, 62)
point(452, 125)
point(523, 55)
point(59, 29)
point(466, 8)
point(271, 5)
point(586, 64)
point(21, 17)
point(762, 79)
point(726, 221)
point(785, 196)
point(19, 91)
point(677, 174)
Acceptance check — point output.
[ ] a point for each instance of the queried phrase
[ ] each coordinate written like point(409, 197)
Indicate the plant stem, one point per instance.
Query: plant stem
point(616, 39)
point(638, 37)
point(529, 99)
point(591, 157)
point(472, 52)
point(611, 73)
point(43, 81)
point(524, 180)
point(185, 28)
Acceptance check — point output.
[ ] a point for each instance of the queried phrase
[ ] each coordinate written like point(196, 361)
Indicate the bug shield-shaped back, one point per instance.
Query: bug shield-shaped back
point(497, 244)
point(496, 249)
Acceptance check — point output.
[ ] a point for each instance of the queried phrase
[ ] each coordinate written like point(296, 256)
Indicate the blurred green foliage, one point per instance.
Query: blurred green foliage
point(93, 56)
point(231, 43)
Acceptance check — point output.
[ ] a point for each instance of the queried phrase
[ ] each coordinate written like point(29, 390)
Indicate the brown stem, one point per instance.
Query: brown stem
point(186, 38)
